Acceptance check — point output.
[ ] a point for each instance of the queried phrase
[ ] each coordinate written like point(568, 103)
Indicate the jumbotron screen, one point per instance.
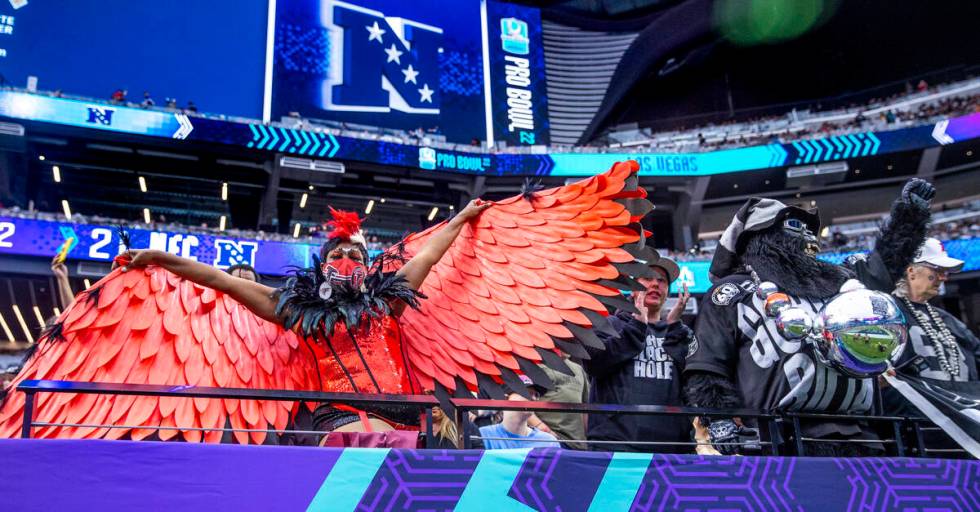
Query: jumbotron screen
point(475, 71)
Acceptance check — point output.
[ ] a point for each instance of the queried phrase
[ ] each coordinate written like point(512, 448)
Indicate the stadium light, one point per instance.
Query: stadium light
point(88, 284)
point(451, 207)
point(302, 200)
point(296, 230)
point(311, 187)
point(382, 200)
point(40, 157)
point(433, 212)
point(142, 181)
point(221, 224)
point(6, 329)
point(66, 208)
point(370, 206)
point(23, 324)
point(146, 215)
point(825, 232)
point(224, 191)
point(39, 316)
point(56, 171)
point(57, 312)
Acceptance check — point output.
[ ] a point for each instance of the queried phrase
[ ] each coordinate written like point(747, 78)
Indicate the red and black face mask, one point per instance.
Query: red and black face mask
point(345, 271)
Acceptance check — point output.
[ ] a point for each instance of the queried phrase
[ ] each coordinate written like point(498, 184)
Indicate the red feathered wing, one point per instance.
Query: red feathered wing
point(148, 326)
point(530, 277)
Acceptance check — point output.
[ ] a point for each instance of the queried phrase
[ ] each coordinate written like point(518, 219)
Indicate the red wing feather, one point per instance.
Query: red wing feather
point(517, 273)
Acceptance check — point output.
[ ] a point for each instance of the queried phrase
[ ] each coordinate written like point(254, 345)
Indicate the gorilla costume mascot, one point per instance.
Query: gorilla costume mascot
point(739, 358)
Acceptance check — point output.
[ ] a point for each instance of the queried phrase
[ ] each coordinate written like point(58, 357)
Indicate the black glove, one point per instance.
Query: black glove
point(721, 432)
point(918, 192)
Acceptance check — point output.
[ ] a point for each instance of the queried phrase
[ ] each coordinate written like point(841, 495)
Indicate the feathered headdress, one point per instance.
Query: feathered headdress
point(345, 227)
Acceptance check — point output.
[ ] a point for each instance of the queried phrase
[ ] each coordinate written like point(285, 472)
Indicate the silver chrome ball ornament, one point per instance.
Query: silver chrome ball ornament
point(857, 332)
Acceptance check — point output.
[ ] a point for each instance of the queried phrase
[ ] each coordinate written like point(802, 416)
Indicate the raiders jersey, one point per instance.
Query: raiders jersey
point(736, 340)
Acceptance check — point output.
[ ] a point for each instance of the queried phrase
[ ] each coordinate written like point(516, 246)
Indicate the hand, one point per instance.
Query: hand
point(138, 258)
point(731, 438)
point(474, 208)
point(918, 192)
point(678, 310)
point(643, 312)
point(543, 427)
point(59, 269)
point(704, 442)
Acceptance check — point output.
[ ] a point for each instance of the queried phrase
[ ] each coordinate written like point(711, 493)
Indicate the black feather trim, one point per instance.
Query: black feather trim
point(29, 353)
point(599, 323)
point(123, 237)
point(536, 374)
point(616, 302)
point(514, 382)
point(622, 282)
point(462, 390)
point(445, 399)
point(585, 335)
point(572, 348)
point(637, 206)
point(54, 332)
point(554, 361)
point(93, 294)
point(489, 387)
point(530, 187)
point(634, 269)
point(299, 300)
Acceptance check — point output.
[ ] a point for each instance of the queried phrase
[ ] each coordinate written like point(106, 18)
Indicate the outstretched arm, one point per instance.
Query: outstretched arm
point(906, 230)
point(254, 296)
point(419, 266)
point(62, 284)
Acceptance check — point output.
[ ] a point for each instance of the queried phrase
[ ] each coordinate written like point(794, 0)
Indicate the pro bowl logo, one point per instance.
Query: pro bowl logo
point(513, 36)
point(380, 63)
point(427, 158)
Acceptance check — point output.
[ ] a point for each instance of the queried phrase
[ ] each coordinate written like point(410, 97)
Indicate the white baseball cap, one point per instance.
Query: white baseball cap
point(933, 253)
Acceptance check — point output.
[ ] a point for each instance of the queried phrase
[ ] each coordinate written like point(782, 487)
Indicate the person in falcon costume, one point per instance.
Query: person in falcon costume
point(470, 304)
point(741, 357)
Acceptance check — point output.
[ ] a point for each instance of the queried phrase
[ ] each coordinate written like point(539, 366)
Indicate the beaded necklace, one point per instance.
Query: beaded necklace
point(938, 334)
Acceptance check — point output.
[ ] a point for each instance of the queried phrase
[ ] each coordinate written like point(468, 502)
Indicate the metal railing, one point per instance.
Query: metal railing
point(770, 423)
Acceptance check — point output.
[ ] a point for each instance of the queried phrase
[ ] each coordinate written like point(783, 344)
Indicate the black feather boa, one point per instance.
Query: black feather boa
point(299, 300)
point(710, 391)
point(780, 258)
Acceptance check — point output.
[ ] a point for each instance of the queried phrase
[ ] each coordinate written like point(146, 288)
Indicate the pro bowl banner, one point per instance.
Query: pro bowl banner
point(517, 95)
point(127, 475)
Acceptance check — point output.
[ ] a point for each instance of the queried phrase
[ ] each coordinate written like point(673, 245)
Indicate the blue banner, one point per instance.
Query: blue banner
point(321, 144)
point(27, 237)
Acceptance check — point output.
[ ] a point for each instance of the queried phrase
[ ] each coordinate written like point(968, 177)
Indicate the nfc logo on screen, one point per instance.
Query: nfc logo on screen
point(513, 36)
point(100, 115)
point(380, 64)
point(230, 252)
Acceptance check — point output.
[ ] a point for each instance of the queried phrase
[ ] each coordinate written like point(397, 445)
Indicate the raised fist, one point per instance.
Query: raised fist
point(918, 192)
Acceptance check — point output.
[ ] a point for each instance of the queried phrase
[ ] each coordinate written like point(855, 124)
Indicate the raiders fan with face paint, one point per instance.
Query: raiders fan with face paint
point(742, 360)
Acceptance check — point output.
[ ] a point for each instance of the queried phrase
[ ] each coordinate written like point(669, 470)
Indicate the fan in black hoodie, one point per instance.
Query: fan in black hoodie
point(642, 365)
